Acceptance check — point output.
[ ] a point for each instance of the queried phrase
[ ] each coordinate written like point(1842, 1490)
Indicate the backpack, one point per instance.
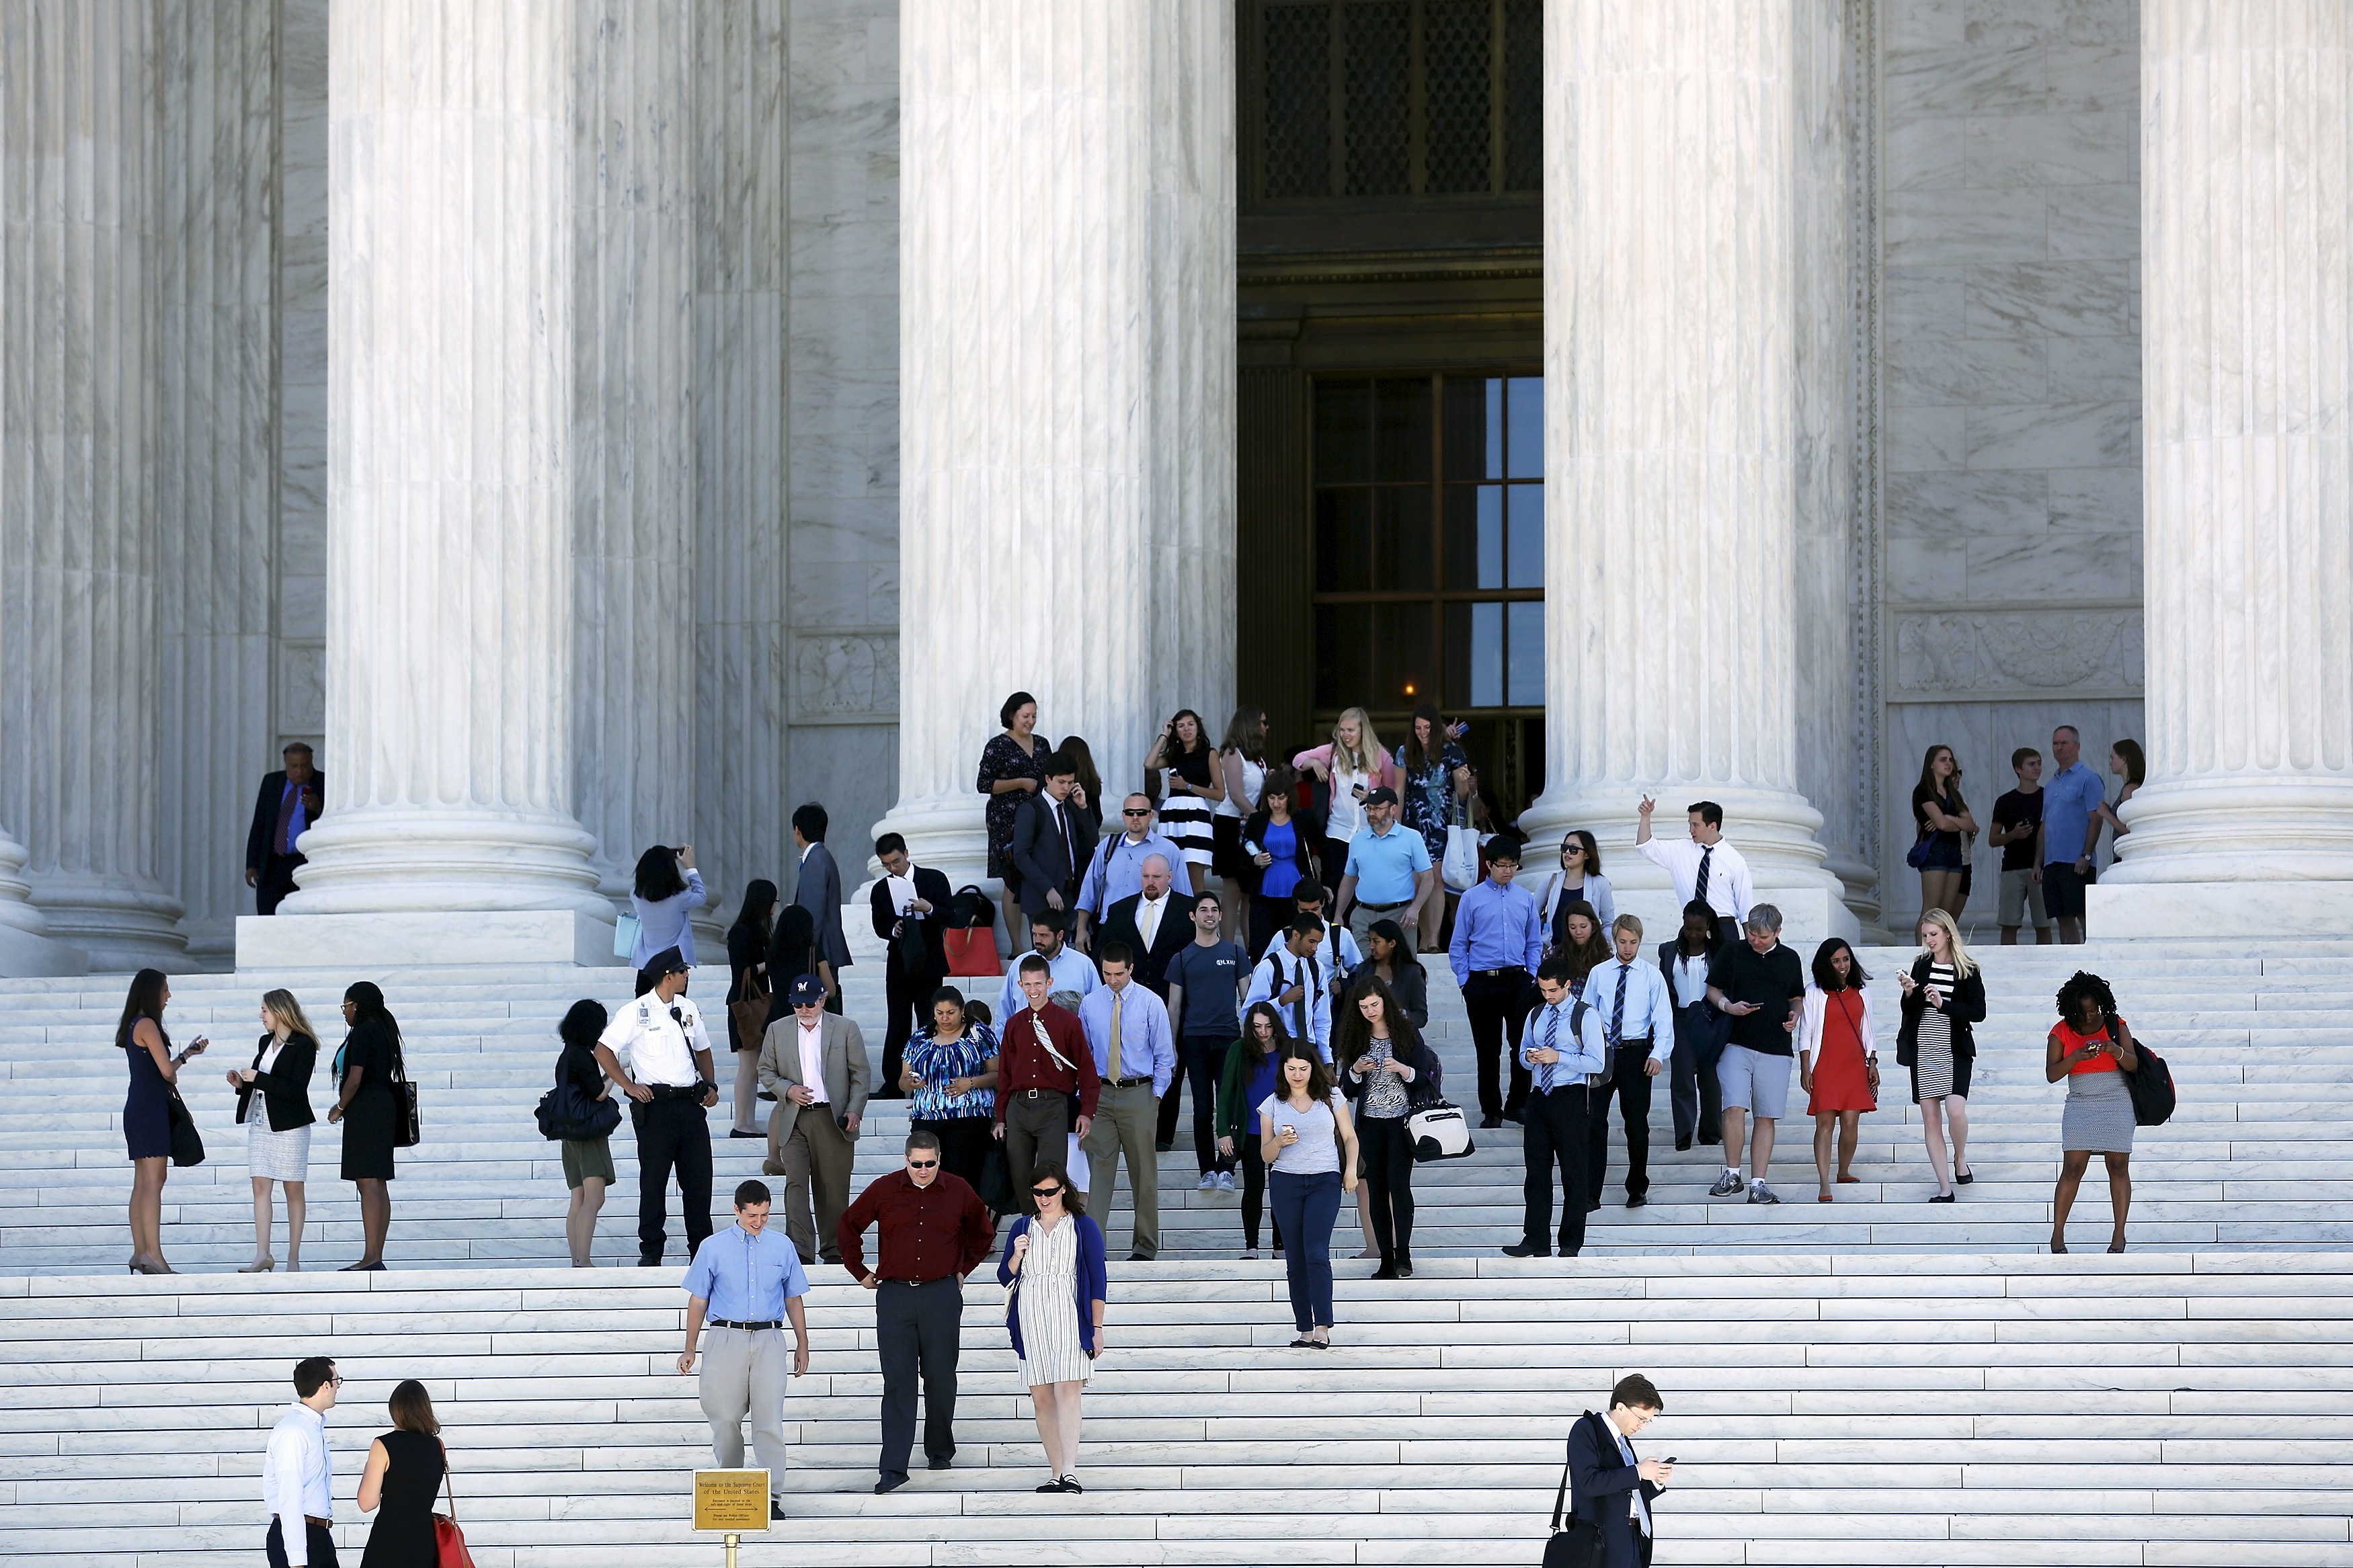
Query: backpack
point(2151, 1086)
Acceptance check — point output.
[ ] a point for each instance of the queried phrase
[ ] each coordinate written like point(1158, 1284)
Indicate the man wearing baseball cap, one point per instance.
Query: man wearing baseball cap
point(1388, 869)
point(814, 1063)
point(656, 1050)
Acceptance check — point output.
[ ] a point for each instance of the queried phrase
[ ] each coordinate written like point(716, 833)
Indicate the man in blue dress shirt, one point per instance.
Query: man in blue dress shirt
point(1563, 1052)
point(748, 1278)
point(1638, 1027)
point(1135, 1058)
point(1067, 969)
point(1498, 942)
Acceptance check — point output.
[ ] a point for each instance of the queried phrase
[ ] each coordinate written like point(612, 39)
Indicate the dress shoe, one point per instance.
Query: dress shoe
point(1522, 1249)
point(739, 1133)
point(1516, 1118)
point(1637, 1200)
point(1139, 1257)
point(1944, 1198)
point(888, 1483)
point(937, 1463)
point(1404, 1264)
point(1486, 1121)
point(646, 1262)
point(1159, 1148)
point(1683, 1145)
point(775, 1509)
point(1388, 1270)
point(1965, 1177)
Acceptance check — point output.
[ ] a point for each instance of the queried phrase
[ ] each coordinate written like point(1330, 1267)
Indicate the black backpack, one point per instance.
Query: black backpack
point(2151, 1085)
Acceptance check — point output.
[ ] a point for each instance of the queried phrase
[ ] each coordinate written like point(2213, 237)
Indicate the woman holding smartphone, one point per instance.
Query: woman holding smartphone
point(147, 1112)
point(1053, 1266)
point(2092, 1049)
point(1350, 766)
point(1944, 996)
point(1309, 1144)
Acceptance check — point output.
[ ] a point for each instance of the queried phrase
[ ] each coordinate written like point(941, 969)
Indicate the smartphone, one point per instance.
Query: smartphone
point(1358, 792)
point(1287, 1130)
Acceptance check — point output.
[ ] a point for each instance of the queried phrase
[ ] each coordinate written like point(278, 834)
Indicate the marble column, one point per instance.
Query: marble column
point(453, 447)
point(1067, 288)
point(2245, 827)
point(215, 481)
point(634, 756)
point(1675, 230)
point(80, 666)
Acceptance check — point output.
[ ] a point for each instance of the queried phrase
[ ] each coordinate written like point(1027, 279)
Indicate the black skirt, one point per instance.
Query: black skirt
point(369, 1125)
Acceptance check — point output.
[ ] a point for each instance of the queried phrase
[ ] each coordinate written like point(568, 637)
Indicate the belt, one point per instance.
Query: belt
point(728, 1323)
point(1499, 973)
point(1127, 1083)
point(321, 1523)
point(1038, 1093)
point(917, 1284)
point(1367, 904)
point(1643, 1041)
point(677, 1091)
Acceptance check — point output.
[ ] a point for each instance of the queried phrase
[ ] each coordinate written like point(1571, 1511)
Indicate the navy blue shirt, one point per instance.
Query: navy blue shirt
point(1212, 978)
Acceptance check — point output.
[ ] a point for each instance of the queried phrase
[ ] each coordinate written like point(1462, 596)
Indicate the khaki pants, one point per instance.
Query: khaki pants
point(1360, 922)
point(1126, 1120)
point(814, 1159)
point(744, 1373)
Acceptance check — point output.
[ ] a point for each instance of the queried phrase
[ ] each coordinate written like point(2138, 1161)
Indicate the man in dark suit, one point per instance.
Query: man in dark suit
point(1151, 925)
point(290, 801)
point(819, 890)
point(910, 990)
point(1046, 850)
point(1608, 1484)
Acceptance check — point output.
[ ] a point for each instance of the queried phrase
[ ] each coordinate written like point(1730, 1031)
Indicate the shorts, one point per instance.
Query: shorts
point(587, 1157)
point(2063, 890)
point(2020, 895)
point(1944, 853)
point(1754, 1082)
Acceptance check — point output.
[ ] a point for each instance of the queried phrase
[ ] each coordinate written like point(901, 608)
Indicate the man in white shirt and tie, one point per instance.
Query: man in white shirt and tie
point(1638, 1027)
point(298, 1478)
point(1562, 1049)
point(1292, 977)
point(1703, 866)
point(1608, 1484)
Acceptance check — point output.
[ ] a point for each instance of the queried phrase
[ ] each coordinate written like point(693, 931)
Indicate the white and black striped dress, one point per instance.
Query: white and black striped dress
point(1046, 1299)
point(1932, 1070)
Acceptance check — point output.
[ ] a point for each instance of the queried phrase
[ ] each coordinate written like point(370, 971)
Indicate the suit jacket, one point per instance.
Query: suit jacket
point(1151, 964)
point(1598, 1481)
point(265, 816)
point(932, 887)
point(285, 1089)
point(1963, 1008)
point(819, 890)
point(847, 1072)
point(1042, 858)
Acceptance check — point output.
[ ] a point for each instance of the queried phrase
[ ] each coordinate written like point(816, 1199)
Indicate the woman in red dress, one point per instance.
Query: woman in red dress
point(1838, 1061)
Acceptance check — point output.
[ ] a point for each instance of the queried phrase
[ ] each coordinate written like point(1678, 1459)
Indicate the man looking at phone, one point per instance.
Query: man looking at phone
point(1611, 1489)
point(1758, 984)
point(1563, 1050)
point(814, 1063)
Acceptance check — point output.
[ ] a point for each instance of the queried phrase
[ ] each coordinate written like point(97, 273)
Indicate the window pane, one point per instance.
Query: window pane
point(1474, 656)
point(1344, 637)
point(1526, 654)
point(1378, 55)
point(1344, 526)
point(1474, 536)
point(1344, 432)
point(1401, 675)
point(1474, 429)
point(1527, 428)
point(1527, 538)
point(1400, 543)
point(1401, 411)
point(1298, 128)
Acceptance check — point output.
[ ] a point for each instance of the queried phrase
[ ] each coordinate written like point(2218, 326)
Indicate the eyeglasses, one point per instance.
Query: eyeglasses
point(1045, 1192)
point(334, 1380)
point(922, 1164)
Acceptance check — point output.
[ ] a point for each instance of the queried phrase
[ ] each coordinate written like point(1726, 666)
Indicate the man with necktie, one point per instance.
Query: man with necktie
point(1637, 1025)
point(1608, 1484)
point(1151, 925)
point(1563, 1052)
point(1703, 866)
point(1049, 847)
point(1046, 1086)
point(290, 801)
point(1135, 1054)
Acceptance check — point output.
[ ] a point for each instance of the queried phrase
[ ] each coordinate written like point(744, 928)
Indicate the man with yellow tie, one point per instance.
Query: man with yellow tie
point(1135, 1057)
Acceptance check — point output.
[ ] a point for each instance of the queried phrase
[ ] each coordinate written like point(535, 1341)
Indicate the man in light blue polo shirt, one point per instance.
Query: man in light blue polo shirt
point(1388, 869)
point(748, 1279)
point(2070, 827)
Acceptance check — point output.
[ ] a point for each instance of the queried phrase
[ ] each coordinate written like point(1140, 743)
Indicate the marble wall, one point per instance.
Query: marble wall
point(2009, 320)
point(299, 590)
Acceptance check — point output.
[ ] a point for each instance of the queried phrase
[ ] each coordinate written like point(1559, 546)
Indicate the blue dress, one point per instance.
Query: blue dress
point(147, 1109)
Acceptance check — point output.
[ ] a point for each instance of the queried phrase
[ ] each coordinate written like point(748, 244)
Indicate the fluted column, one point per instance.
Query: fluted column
point(1673, 210)
point(1067, 286)
point(450, 470)
point(633, 435)
point(2247, 230)
point(80, 666)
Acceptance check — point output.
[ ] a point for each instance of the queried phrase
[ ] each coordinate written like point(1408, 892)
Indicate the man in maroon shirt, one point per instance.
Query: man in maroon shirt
point(1046, 1083)
point(934, 1230)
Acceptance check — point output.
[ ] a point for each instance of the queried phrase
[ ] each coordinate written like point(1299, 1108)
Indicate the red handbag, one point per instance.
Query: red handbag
point(448, 1541)
point(972, 950)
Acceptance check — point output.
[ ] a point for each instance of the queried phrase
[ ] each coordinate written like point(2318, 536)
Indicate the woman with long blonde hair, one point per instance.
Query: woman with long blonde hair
point(273, 1101)
point(1944, 996)
point(1350, 766)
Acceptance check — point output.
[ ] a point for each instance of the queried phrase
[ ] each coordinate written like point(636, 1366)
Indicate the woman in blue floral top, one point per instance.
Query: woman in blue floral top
point(951, 1073)
point(1435, 772)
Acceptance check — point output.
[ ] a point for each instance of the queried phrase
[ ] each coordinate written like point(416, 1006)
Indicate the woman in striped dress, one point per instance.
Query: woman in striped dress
point(1943, 995)
point(2092, 1049)
point(1190, 794)
point(1053, 1264)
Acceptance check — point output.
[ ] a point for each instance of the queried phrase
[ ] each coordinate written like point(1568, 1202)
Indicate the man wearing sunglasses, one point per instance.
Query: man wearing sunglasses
point(1118, 870)
point(932, 1231)
point(657, 1051)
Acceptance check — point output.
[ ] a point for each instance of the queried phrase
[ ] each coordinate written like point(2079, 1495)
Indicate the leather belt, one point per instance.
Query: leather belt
point(1127, 1083)
point(1036, 1093)
point(321, 1523)
point(1513, 970)
point(730, 1323)
point(677, 1091)
point(919, 1284)
point(1364, 904)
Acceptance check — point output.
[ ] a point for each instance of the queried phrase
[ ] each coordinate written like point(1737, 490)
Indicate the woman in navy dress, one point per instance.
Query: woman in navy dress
point(147, 1112)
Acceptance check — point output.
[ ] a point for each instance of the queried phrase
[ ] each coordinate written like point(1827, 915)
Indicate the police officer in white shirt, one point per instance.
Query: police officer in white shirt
point(298, 1478)
point(656, 1050)
point(1296, 978)
point(1703, 866)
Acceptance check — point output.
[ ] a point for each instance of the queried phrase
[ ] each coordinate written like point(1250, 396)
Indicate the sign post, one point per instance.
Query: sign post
point(731, 1501)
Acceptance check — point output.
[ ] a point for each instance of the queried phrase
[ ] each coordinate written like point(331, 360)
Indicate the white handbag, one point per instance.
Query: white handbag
point(1439, 1131)
point(626, 930)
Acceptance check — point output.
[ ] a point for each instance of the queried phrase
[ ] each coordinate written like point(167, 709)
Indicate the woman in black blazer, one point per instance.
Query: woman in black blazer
point(1943, 995)
point(278, 1129)
point(1271, 904)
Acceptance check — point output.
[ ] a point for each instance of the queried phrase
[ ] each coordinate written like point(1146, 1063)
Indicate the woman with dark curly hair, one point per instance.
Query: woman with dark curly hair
point(2092, 1048)
point(1012, 769)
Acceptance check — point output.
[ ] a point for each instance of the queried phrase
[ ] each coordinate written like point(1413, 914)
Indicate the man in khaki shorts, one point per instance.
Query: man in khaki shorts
point(2018, 833)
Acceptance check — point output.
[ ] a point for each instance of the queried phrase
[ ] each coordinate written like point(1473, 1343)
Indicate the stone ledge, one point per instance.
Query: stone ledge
point(376, 942)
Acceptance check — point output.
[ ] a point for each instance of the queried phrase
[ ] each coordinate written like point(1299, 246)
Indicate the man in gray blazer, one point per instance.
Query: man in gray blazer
point(814, 1063)
point(819, 890)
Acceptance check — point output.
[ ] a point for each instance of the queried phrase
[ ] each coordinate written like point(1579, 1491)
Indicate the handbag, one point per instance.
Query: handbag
point(448, 1541)
point(972, 935)
point(1917, 856)
point(626, 928)
point(566, 1112)
point(996, 1187)
point(911, 954)
point(749, 1012)
point(187, 1143)
point(1439, 1131)
point(408, 1121)
point(2151, 1086)
point(1578, 1542)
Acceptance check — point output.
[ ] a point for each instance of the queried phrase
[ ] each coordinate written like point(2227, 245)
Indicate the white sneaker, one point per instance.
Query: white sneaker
point(1224, 1181)
point(1208, 1184)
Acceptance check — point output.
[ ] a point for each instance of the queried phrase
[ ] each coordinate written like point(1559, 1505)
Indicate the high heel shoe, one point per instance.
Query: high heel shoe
point(261, 1265)
point(2057, 1245)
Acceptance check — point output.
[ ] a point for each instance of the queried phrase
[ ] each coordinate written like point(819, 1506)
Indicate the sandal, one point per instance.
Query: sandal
point(1825, 1198)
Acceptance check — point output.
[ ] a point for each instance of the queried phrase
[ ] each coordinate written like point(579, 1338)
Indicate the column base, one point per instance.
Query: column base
point(119, 923)
point(382, 861)
point(365, 944)
point(2220, 911)
point(949, 832)
point(24, 956)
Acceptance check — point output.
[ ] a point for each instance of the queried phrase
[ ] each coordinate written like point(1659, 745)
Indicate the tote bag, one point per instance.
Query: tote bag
point(448, 1541)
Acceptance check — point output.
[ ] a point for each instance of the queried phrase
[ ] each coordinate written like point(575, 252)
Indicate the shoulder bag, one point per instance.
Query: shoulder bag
point(187, 1143)
point(971, 934)
point(448, 1541)
point(626, 928)
point(1576, 1541)
point(567, 1112)
point(751, 1011)
point(408, 1122)
point(2150, 1085)
point(1439, 1131)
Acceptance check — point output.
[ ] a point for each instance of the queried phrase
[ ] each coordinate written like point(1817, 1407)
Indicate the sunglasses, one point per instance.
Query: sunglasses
point(1045, 1192)
point(922, 1164)
point(1126, 813)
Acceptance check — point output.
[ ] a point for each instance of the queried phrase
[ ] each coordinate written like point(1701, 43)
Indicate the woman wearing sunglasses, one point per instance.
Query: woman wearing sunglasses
point(1053, 1264)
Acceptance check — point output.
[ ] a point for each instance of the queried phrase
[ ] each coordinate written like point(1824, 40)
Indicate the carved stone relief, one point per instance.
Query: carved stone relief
point(1970, 653)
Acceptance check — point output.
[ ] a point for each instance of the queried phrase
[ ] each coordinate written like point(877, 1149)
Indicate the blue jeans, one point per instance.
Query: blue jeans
point(1304, 1208)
